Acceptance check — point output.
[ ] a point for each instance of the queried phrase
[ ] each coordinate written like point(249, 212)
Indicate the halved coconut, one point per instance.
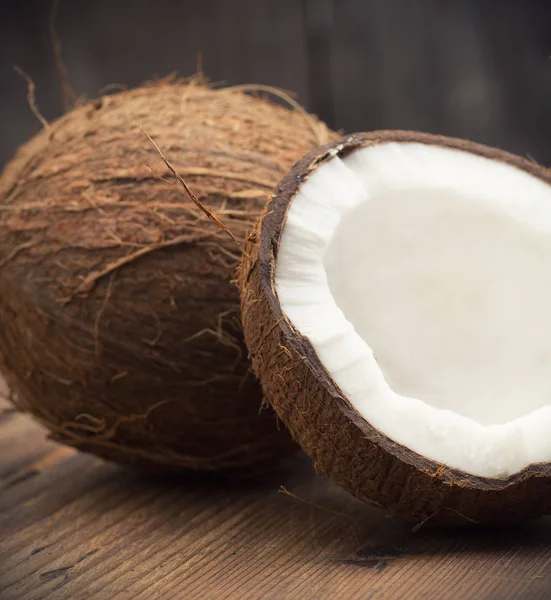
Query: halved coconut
point(396, 301)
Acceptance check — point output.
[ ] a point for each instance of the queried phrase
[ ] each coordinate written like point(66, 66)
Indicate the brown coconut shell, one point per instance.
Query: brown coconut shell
point(119, 321)
point(341, 443)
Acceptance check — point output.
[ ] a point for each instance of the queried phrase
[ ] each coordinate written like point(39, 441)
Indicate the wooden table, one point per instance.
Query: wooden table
point(74, 527)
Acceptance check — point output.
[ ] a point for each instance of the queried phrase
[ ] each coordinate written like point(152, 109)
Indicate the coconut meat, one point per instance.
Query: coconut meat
point(421, 275)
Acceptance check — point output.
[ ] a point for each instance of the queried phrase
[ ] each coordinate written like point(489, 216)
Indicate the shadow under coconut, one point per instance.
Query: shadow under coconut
point(279, 522)
point(258, 477)
point(292, 487)
point(532, 535)
point(305, 517)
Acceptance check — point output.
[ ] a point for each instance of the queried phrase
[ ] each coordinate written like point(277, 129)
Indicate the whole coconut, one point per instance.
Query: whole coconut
point(118, 315)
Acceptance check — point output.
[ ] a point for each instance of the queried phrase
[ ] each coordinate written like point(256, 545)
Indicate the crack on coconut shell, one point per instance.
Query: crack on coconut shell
point(341, 443)
point(78, 208)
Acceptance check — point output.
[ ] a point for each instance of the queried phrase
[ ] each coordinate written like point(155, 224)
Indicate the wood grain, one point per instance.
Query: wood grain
point(468, 69)
point(123, 43)
point(74, 527)
point(476, 69)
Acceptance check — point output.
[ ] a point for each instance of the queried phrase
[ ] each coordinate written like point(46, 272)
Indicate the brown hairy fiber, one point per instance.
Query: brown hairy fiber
point(342, 443)
point(119, 320)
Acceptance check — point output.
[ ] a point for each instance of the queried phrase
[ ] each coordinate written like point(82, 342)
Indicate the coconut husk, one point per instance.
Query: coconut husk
point(119, 321)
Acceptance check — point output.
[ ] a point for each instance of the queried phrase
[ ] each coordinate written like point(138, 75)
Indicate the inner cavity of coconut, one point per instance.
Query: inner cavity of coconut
point(422, 277)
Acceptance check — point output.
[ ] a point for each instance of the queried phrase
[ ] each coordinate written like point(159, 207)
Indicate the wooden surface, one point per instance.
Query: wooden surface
point(74, 527)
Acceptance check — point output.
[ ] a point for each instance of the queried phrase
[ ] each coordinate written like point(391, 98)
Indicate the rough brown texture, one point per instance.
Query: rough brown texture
point(343, 444)
point(118, 319)
point(75, 528)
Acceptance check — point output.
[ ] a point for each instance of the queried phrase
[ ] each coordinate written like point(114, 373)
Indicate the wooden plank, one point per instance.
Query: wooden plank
point(467, 69)
point(240, 42)
point(24, 42)
point(318, 18)
point(459, 68)
point(82, 528)
point(131, 41)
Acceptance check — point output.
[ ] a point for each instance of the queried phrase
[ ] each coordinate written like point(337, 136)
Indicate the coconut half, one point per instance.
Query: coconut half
point(396, 304)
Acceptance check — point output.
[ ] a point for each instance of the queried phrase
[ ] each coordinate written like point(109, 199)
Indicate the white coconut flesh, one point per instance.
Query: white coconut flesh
point(422, 277)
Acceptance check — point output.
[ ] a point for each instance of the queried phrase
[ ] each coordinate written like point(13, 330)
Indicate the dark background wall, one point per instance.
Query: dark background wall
point(471, 68)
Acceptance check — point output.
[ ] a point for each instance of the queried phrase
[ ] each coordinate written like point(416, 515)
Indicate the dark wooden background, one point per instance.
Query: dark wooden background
point(471, 68)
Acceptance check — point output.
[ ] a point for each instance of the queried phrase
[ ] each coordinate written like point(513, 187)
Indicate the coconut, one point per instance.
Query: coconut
point(395, 301)
point(119, 321)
